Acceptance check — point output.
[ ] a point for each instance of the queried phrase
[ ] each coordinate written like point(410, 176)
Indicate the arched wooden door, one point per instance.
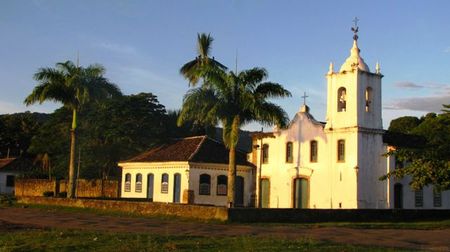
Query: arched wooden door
point(265, 193)
point(150, 185)
point(398, 195)
point(239, 191)
point(301, 193)
point(176, 187)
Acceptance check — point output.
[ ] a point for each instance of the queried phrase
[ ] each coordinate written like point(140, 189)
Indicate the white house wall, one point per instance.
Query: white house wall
point(157, 169)
point(190, 176)
point(215, 170)
point(3, 188)
point(409, 194)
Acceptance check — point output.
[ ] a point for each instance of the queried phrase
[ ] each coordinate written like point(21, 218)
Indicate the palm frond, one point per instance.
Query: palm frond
point(271, 90)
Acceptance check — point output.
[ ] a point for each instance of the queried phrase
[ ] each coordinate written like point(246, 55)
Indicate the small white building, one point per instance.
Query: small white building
point(190, 170)
point(337, 163)
point(10, 168)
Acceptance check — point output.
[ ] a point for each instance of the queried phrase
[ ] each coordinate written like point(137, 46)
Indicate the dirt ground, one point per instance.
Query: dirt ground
point(24, 218)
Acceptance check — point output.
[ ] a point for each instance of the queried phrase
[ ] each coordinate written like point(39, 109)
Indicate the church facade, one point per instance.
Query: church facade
point(337, 163)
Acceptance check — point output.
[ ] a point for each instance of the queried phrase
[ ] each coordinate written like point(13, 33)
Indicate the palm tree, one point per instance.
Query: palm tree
point(234, 100)
point(73, 86)
point(193, 69)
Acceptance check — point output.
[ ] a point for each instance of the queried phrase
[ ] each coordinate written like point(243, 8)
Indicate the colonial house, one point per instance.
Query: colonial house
point(337, 163)
point(10, 168)
point(189, 170)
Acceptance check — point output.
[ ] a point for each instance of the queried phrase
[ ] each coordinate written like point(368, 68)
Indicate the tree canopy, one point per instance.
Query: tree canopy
point(425, 146)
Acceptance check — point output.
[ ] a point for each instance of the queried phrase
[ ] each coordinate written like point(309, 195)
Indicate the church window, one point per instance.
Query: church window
point(138, 187)
point(127, 182)
point(222, 181)
point(289, 152)
point(342, 99)
point(341, 151)
point(437, 198)
point(265, 154)
point(418, 198)
point(205, 184)
point(368, 98)
point(165, 183)
point(313, 151)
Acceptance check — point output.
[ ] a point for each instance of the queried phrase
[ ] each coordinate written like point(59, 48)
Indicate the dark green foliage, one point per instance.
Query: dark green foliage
point(404, 124)
point(118, 129)
point(426, 149)
point(16, 131)
point(109, 131)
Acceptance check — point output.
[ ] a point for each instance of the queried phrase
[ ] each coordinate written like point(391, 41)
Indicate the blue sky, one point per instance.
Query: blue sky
point(143, 44)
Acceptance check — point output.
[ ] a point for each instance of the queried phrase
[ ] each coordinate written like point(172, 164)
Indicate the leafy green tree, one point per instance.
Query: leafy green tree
point(234, 100)
point(16, 131)
point(118, 129)
point(193, 69)
point(73, 86)
point(109, 131)
point(404, 124)
point(428, 157)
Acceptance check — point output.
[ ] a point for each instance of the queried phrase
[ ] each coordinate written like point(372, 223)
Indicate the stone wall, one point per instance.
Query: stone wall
point(85, 188)
point(335, 215)
point(136, 207)
point(34, 187)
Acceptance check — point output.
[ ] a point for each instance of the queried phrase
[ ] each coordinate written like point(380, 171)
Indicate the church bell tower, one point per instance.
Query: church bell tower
point(354, 93)
point(354, 132)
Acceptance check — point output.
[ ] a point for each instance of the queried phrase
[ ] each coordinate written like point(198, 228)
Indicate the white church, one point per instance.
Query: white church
point(337, 163)
point(310, 164)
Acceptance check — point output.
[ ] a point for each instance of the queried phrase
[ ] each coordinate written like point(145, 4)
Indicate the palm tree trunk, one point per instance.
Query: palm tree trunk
point(234, 136)
point(231, 176)
point(71, 187)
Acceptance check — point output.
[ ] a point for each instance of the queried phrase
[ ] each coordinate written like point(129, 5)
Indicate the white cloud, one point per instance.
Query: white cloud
point(117, 48)
point(425, 104)
point(407, 84)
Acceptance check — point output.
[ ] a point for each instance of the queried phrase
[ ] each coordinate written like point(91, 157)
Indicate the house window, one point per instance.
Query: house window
point(418, 198)
point(289, 151)
point(437, 199)
point(368, 98)
point(165, 183)
point(265, 154)
point(10, 180)
point(341, 151)
point(127, 182)
point(138, 186)
point(313, 151)
point(222, 181)
point(342, 99)
point(205, 185)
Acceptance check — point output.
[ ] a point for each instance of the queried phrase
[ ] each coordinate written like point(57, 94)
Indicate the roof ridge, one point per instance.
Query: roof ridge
point(198, 147)
point(191, 137)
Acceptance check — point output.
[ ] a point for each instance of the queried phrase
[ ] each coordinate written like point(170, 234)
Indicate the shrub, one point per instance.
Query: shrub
point(62, 194)
point(7, 200)
point(48, 194)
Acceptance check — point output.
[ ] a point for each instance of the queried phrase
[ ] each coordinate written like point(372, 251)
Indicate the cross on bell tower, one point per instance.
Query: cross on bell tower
point(355, 28)
point(304, 96)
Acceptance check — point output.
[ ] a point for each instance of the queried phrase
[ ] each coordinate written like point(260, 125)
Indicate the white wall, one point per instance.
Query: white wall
point(3, 188)
point(157, 169)
point(190, 175)
point(409, 194)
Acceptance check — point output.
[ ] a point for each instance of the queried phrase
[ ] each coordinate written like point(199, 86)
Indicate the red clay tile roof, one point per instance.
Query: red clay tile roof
point(5, 161)
point(200, 149)
point(15, 164)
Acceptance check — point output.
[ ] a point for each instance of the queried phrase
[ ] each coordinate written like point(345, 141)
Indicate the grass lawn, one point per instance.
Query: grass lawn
point(76, 240)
